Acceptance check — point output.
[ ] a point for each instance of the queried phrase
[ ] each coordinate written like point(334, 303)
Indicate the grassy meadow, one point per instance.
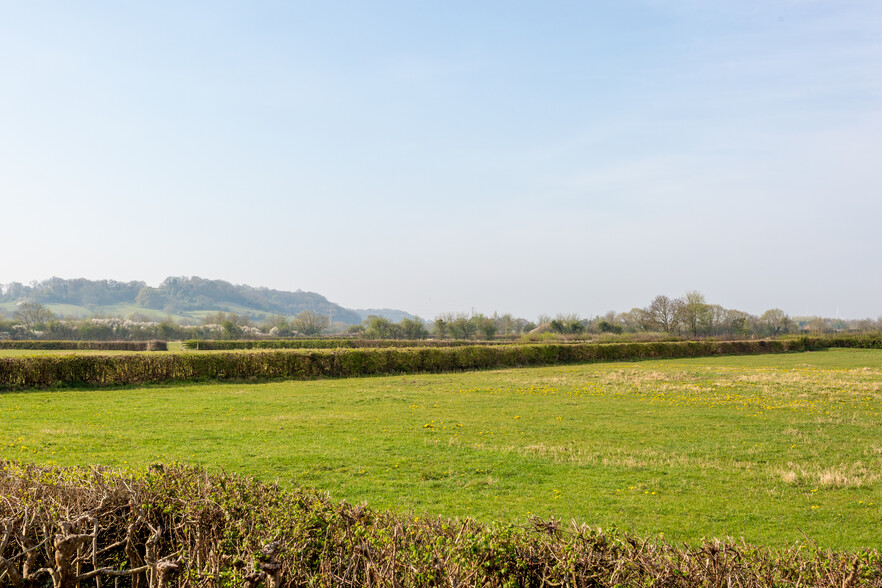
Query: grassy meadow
point(772, 448)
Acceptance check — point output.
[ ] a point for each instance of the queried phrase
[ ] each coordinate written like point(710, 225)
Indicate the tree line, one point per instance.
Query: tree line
point(690, 315)
point(32, 320)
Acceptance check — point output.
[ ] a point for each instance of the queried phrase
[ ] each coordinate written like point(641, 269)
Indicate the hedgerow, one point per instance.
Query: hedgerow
point(182, 526)
point(39, 345)
point(235, 344)
point(863, 341)
point(119, 370)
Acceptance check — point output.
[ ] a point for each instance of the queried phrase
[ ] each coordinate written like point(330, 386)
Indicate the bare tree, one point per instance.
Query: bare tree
point(663, 314)
point(31, 314)
point(310, 323)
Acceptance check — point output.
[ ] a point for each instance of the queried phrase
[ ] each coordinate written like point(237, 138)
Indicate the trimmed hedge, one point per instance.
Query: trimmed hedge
point(86, 345)
point(181, 526)
point(235, 344)
point(862, 341)
point(119, 370)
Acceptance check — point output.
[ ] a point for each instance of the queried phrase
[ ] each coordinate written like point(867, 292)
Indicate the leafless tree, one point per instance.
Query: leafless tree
point(663, 313)
point(31, 314)
point(310, 323)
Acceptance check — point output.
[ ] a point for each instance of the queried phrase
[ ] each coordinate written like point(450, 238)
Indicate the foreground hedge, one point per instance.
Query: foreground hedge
point(118, 370)
point(234, 344)
point(94, 345)
point(180, 526)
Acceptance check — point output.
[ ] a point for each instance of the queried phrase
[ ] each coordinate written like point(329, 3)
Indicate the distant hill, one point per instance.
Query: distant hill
point(188, 297)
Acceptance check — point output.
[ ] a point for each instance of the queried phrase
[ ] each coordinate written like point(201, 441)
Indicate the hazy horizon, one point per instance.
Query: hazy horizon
point(448, 157)
point(836, 315)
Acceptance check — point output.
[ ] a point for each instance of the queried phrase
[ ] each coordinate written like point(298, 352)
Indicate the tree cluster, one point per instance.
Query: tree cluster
point(690, 315)
point(445, 326)
point(32, 320)
point(378, 327)
point(462, 326)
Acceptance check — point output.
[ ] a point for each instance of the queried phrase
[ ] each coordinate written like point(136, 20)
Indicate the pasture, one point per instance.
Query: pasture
point(772, 448)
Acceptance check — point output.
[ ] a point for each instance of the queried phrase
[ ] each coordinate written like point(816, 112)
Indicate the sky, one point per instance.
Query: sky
point(456, 156)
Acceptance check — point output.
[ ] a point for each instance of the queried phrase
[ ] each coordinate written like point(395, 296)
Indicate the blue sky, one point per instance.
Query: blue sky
point(518, 157)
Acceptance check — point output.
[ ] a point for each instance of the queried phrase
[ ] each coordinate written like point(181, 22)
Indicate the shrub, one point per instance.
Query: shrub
point(181, 526)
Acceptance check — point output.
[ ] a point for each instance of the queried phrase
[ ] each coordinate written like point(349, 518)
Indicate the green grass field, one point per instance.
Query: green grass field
point(771, 448)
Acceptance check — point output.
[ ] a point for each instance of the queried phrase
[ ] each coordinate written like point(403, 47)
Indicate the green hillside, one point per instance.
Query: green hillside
point(178, 298)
